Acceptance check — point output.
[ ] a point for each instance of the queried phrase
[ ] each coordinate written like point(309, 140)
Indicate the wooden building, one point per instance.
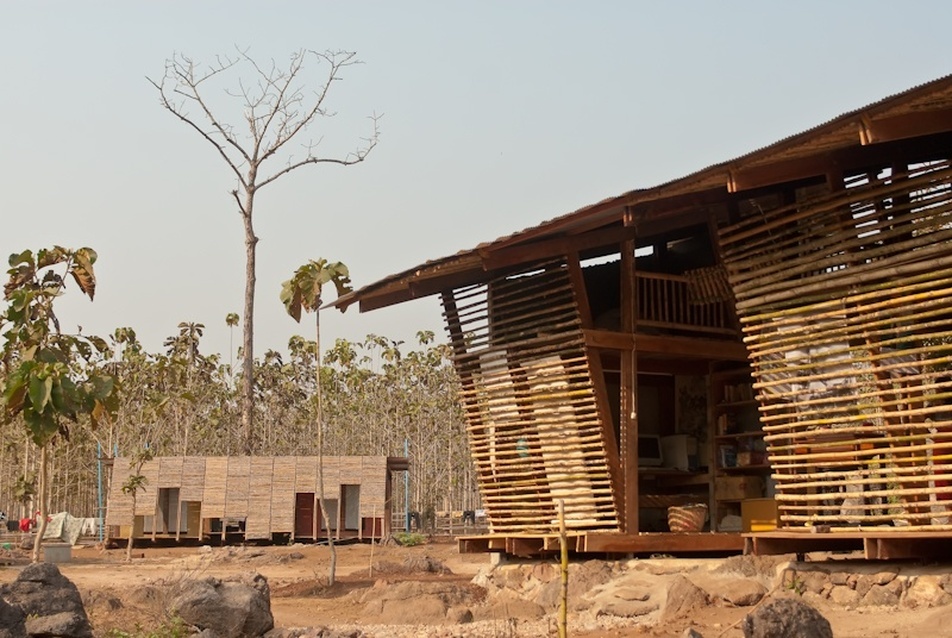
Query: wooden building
point(231, 499)
point(780, 323)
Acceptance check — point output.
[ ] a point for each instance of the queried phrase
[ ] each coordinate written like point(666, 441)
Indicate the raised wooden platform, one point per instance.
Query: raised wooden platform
point(875, 545)
point(528, 545)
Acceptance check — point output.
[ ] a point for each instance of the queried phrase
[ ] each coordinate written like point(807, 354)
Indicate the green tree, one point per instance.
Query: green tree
point(303, 291)
point(277, 110)
point(53, 378)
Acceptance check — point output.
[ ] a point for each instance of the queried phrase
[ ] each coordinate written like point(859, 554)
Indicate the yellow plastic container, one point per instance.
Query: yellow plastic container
point(758, 514)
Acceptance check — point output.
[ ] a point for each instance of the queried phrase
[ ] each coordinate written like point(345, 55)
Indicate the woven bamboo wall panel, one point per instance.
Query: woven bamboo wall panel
point(282, 494)
point(846, 303)
point(147, 497)
point(332, 475)
point(170, 471)
point(119, 511)
point(534, 429)
point(305, 478)
point(238, 487)
point(258, 521)
point(193, 478)
point(213, 498)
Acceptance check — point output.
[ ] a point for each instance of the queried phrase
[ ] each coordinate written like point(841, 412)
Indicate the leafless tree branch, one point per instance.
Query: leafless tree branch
point(276, 110)
point(355, 157)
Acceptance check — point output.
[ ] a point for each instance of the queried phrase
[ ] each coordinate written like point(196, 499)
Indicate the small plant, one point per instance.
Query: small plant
point(796, 584)
point(409, 539)
point(175, 627)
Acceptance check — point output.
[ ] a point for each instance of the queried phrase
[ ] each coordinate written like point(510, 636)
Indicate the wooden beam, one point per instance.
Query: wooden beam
point(671, 346)
point(906, 125)
point(597, 215)
point(418, 288)
point(701, 542)
point(496, 258)
point(845, 160)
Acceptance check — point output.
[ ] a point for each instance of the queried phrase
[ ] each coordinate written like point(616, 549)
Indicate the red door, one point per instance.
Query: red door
point(304, 515)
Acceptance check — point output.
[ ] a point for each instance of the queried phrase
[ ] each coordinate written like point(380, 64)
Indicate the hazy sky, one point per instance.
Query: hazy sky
point(497, 116)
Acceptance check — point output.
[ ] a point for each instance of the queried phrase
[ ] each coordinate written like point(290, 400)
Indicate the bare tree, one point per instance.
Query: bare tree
point(277, 109)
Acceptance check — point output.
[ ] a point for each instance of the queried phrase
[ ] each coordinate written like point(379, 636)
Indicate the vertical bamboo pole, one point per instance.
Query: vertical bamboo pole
point(564, 560)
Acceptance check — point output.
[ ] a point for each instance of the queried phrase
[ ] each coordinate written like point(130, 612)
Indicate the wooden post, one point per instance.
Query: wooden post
point(629, 383)
point(373, 533)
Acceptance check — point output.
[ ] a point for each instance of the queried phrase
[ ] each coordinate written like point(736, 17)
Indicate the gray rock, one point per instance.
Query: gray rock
point(65, 623)
point(683, 598)
point(886, 576)
point(844, 596)
point(925, 591)
point(862, 584)
point(786, 618)
point(691, 632)
point(812, 580)
point(11, 621)
point(49, 601)
point(459, 615)
point(509, 608)
point(238, 608)
point(743, 592)
point(879, 595)
point(624, 608)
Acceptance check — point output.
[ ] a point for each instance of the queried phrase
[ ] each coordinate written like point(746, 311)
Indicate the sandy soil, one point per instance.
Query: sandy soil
point(123, 595)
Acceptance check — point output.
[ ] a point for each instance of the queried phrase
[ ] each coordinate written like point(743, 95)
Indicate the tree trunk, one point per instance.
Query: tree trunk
point(247, 355)
point(44, 503)
point(332, 569)
point(132, 530)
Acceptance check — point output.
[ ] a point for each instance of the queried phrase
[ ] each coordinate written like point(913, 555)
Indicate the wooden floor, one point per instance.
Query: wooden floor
point(529, 545)
point(874, 545)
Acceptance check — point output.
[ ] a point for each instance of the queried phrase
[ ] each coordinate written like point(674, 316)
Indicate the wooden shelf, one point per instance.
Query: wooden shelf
point(738, 435)
point(737, 427)
point(733, 405)
point(741, 469)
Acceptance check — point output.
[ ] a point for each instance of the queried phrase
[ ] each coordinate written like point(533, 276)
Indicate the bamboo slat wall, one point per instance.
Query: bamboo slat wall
point(193, 478)
point(373, 486)
point(238, 486)
point(846, 306)
point(260, 490)
point(282, 484)
point(170, 471)
point(145, 505)
point(213, 498)
point(259, 498)
point(534, 430)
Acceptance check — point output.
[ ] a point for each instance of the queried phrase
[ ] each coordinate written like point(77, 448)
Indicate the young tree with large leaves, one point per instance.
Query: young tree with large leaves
point(303, 291)
point(277, 110)
point(51, 378)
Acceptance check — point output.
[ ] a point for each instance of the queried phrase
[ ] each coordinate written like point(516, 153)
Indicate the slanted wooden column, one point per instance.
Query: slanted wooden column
point(628, 443)
point(598, 381)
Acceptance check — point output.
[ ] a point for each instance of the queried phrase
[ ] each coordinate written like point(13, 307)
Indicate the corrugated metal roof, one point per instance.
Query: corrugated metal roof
point(835, 133)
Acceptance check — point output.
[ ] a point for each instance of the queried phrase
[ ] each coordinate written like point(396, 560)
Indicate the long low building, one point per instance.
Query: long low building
point(253, 498)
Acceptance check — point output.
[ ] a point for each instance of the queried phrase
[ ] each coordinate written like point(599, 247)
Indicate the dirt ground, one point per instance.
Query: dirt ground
point(123, 595)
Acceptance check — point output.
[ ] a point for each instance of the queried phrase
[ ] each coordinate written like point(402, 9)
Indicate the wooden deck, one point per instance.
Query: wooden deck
point(529, 545)
point(875, 545)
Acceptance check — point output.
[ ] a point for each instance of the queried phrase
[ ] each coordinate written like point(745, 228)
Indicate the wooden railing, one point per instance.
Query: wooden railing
point(666, 301)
